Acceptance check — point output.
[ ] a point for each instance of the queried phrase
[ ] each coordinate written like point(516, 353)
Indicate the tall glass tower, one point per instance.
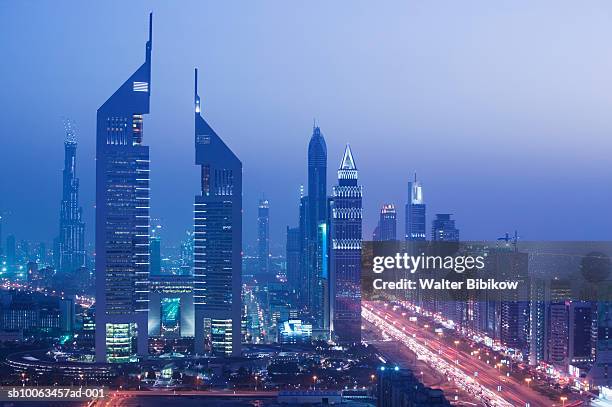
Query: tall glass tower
point(346, 229)
point(263, 236)
point(122, 219)
point(71, 229)
point(416, 228)
point(217, 242)
point(316, 218)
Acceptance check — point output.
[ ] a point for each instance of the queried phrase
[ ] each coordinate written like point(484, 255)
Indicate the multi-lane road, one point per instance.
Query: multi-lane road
point(484, 382)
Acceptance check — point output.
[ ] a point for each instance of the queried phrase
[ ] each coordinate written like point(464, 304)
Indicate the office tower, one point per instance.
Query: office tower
point(293, 250)
point(316, 225)
point(217, 242)
point(67, 315)
point(122, 219)
point(155, 254)
point(346, 224)
point(263, 236)
point(415, 212)
point(71, 240)
point(558, 323)
point(443, 228)
point(303, 293)
point(537, 320)
point(387, 224)
point(581, 318)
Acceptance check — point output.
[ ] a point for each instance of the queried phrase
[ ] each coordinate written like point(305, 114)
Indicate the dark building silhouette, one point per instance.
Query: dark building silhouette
point(346, 229)
point(443, 228)
point(122, 219)
point(416, 228)
point(293, 250)
point(263, 236)
point(11, 252)
point(399, 387)
point(71, 240)
point(217, 242)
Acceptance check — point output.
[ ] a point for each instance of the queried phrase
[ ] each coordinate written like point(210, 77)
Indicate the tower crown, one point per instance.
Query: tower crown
point(348, 169)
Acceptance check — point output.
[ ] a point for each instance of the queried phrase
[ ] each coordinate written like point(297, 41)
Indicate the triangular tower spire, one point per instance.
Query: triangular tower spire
point(348, 163)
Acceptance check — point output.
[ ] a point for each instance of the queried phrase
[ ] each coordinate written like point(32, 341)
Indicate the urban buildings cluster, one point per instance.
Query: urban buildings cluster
point(217, 299)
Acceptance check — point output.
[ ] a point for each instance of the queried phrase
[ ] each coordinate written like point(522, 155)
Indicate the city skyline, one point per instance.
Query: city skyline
point(508, 187)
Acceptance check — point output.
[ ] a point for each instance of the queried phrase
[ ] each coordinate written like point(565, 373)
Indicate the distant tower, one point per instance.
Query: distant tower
point(71, 240)
point(155, 250)
point(293, 250)
point(346, 223)
point(443, 228)
point(387, 224)
point(316, 225)
point(416, 228)
point(263, 236)
point(122, 220)
point(217, 242)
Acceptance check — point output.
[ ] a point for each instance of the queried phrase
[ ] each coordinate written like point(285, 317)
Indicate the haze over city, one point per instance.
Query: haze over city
point(503, 111)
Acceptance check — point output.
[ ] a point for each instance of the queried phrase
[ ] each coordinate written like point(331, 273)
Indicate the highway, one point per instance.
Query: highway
point(475, 376)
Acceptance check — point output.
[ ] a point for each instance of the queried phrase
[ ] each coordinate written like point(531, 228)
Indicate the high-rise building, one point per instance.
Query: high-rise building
point(71, 240)
point(122, 219)
point(217, 242)
point(263, 236)
point(293, 250)
point(316, 226)
point(581, 318)
point(387, 224)
point(443, 228)
point(558, 323)
point(416, 228)
point(155, 254)
point(304, 279)
point(346, 226)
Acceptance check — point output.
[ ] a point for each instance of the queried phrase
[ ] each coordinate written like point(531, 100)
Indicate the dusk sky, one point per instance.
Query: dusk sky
point(503, 109)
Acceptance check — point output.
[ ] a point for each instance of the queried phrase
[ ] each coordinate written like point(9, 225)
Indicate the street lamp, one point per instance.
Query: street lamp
point(528, 380)
point(563, 400)
point(314, 381)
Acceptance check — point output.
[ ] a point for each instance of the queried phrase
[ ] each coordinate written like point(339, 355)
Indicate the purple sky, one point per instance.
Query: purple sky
point(502, 109)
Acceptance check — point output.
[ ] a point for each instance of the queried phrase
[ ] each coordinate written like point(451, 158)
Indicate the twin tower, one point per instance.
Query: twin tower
point(123, 223)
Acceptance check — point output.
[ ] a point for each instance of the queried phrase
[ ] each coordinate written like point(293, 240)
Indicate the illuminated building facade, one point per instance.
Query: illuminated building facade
point(387, 224)
point(171, 311)
point(217, 243)
point(346, 228)
point(71, 240)
point(416, 228)
point(122, 220)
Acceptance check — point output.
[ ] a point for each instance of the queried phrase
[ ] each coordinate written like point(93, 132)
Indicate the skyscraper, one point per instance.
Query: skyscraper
point(387, 224)
point(122, 219)
point(316, 225)
point(217, 242)
point(346, 224)
point(293, 247)
point(415, 212)
point(443, 228)
point(71, 239)
point(263, 236)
